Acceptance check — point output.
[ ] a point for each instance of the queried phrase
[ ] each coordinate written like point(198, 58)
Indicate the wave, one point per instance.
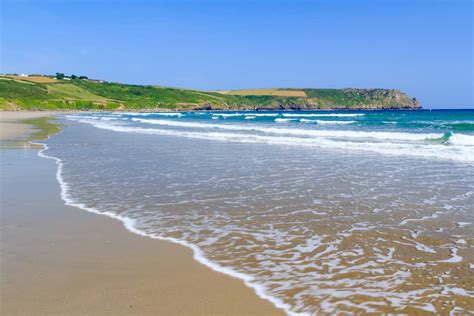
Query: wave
point(299, 131)
point(254, 114)
point(283, 120)
point(323, 115)
point(130, 225)
point(455, 125)
point(90, 117)
point(459, 126)
point(178, 114)
point(323, 122)
point(398, 299)
point(429, 150)
point(228, 114)
point(461, 139)
point(171, 114)
point(266, 114)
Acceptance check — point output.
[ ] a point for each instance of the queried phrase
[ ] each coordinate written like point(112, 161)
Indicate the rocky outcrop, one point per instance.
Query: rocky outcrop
point(356, 99)
point(383, 98)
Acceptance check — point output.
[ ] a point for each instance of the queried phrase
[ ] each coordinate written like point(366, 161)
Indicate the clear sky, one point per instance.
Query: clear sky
point(424, 48)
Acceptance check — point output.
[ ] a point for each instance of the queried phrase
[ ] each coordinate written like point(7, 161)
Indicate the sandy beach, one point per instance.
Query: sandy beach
point(180, 158)
point(57, 259)
point(13, 132)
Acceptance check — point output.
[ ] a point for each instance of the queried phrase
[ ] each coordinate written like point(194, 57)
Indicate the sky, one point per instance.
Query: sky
point(424, 48)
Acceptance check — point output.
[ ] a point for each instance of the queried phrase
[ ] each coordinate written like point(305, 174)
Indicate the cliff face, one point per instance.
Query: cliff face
point(383, 98)
point(331, 99)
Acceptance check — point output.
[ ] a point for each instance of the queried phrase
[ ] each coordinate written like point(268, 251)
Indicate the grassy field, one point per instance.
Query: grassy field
point(12, 89)
point(73, 92)
point(35, 79)
point(45, 93)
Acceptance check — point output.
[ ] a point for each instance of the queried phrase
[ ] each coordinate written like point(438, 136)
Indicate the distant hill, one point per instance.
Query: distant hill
point(48, 93)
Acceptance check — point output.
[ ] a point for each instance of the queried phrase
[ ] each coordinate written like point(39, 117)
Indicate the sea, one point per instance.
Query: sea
point(320, 212)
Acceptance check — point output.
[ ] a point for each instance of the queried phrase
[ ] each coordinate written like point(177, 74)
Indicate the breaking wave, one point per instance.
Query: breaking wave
point(459, 146)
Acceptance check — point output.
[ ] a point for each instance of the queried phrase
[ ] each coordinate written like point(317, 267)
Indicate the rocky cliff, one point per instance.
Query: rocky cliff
point(330, 99)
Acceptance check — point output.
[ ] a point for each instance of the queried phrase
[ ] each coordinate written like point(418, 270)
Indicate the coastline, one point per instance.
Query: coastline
point(61, 260)
point(154, 110)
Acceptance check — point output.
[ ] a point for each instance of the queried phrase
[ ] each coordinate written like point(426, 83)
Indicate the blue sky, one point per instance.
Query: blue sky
point(421, 47)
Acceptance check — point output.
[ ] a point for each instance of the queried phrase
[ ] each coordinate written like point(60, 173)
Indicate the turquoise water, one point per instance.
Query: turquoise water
point(320, 212)
point(438, 134)
point(416, 121)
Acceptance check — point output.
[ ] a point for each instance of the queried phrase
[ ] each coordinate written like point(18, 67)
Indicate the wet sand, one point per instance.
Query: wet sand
point(57, 259)
point(14, 133)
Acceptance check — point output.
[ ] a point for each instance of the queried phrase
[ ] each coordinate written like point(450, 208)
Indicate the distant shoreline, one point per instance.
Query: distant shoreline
point(215, 110)
point(67, 93)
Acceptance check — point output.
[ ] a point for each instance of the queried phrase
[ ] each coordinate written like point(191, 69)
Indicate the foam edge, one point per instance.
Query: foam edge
point(198, 254)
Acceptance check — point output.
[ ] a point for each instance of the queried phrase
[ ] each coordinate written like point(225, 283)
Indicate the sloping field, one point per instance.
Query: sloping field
point(35, 79)
point(70, 91)
point(269, 92)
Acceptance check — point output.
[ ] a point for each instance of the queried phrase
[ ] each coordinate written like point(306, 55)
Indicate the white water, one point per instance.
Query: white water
point(322, 122)
point(389, 143)
point(198, 255)
point(309, 253)
point(299, 132)
point(322, 115)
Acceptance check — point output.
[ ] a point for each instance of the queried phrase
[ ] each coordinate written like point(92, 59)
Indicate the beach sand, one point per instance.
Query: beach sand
point(57, 259)
point(12, 131)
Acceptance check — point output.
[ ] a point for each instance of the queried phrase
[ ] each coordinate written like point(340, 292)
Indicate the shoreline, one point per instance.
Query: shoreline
point(221, 295)
point(18, 128)
point(66, 111)
point(198, 255)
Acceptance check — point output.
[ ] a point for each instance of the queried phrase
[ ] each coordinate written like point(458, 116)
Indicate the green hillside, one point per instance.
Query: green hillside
point(44, 93)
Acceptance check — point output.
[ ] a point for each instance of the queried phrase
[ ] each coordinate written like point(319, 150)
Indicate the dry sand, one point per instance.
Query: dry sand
point(57, 259)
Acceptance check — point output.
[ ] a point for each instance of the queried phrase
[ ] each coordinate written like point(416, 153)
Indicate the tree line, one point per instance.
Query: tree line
point(60, 75)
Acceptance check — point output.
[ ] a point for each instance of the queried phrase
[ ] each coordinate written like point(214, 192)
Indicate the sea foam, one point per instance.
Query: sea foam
point(198, 255)
point(427, 150)
point(306, 259)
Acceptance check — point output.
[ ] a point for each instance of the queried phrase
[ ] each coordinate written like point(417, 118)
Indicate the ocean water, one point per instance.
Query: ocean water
point(319, 212)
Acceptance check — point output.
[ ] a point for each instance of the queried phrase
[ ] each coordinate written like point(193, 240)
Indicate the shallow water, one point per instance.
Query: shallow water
point(366, 212)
